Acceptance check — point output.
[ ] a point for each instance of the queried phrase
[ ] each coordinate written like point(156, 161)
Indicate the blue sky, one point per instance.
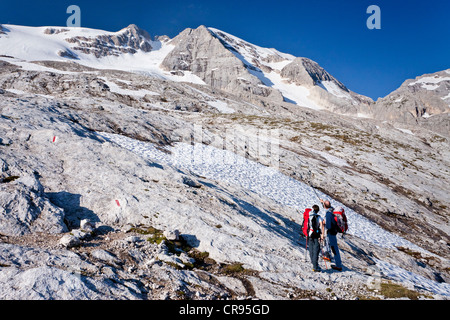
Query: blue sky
point(414, 37)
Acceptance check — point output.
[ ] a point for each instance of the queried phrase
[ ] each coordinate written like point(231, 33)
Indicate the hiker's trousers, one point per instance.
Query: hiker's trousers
point(332, 241)
point(314, 249)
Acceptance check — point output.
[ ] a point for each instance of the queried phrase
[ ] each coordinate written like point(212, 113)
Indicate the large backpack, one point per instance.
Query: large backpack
point(305, 224)
point(341, 220)
point(314, 227)
point(310, 226)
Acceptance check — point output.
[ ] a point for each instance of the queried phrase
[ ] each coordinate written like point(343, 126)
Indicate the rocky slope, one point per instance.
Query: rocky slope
point(86, 214)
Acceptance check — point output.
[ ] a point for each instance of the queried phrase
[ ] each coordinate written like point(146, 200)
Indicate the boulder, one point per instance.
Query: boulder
point(105, 256)
point(87, 225)
point(133, 239)
point(191, 183)
point(172, 235)
point(69, 241)
point(44, 283)
point(24, 208)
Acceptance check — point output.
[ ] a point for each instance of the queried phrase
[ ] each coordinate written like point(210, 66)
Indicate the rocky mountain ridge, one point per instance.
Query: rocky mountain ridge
point(260, 75)
point(128, 40)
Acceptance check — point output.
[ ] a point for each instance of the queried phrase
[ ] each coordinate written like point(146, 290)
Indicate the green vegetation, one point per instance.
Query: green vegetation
point(202, 259)
point(233, 269)
point(389, 290)
point(395, 291)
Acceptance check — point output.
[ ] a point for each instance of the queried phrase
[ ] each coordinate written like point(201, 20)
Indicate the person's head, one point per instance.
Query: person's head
point(327, 204)
point(316, 208)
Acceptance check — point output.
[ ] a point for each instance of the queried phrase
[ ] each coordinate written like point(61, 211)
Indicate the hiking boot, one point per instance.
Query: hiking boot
point(336, 268)
point(317, 270)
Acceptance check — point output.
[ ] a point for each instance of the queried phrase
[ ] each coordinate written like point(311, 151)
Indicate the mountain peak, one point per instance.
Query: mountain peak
point(304, 71)
point(199, 31)
point(136, 31)
point(423, 97)
point(204, 53)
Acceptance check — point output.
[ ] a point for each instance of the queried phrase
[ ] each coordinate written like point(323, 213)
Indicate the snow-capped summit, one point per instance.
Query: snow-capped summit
point(54, 43)
point(300, 80)
point(202, 55)
point(128, 40)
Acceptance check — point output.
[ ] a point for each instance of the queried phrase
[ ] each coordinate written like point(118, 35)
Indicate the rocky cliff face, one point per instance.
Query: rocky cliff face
point(423, 97)
point(204, 54)
point(303, 71)
point(234, 65)
point(128, 40)
point(329, 92)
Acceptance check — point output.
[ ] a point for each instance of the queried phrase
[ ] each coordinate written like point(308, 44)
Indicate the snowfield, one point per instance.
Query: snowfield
point(230, 168)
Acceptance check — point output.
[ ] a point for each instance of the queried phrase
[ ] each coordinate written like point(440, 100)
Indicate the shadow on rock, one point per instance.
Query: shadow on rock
point(74, 212)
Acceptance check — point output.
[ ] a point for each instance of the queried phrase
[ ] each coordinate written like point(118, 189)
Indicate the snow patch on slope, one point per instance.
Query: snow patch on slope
point(334, 89)
point(430, 83)
point(412, 279)
point(224, 165)
point(291, 92)
point(117, 89)
point(221, 106)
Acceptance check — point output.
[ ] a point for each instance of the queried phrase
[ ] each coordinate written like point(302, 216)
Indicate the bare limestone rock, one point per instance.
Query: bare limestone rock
point(304, 71)
point(105, 256)
point(172, 235)
point(24, 208)
point(87, 225)
point(69, 241)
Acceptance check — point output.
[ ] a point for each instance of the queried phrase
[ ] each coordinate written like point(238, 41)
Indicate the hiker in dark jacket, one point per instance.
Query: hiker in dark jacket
point(331, 226)
point(316, 232)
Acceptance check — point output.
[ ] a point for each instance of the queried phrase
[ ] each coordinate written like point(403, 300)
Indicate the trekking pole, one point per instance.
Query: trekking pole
point(314, 191)
point(325, 261)
point(310, 184)
point(306, 248)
